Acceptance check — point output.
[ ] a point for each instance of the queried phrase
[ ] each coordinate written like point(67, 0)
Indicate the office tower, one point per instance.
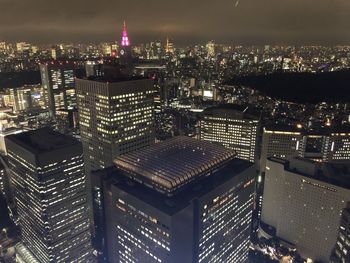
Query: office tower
point(232, 127)
point(303, 202)
point(281, 142)
point(116, 117)
point(26, 98)
point(22, 47)
point(59, 85)
point(286, 142)
point(341, 252)
point(181, 200)
point(56, 52)
point(22, 99)
point(169, 46)
point(211, 49)
point(338, 146)
point(48, 180)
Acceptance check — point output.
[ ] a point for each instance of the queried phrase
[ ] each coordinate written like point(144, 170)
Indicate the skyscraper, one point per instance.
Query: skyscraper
point(338, 146)
point(281, 142)
point(125, 54)
point(303, 202)
point(47, 174)
point(169, 46)
point(59, 86)
point(116, 117)
point(232, 127)
point(325, 145)
point(181, 200)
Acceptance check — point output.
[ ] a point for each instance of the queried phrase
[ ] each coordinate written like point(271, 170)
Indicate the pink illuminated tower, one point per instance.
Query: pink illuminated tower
point(125, 54)
point(125, 39)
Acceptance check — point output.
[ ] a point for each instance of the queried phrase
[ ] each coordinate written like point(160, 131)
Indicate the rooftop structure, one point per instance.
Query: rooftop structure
point(177, 219)
point(171, 164)
point(233, 111)
point(42, 141)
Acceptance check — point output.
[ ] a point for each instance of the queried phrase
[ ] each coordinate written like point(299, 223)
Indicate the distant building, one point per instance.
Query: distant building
point(169, 46)
point(181, 200)
point(284, 143)
point(27, 98)
point(59, 85)
point(125, 54)
point(338, 146)
point(328, 145)
point(211, 49)
point(232, 127)
point(48, 180)
point(341, 252)
point(303, 201)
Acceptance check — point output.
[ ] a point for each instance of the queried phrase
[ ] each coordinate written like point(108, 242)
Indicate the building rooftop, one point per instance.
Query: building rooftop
point(333, 130)
point(42, 140)
point(171, 204)
point(233, 111)
point(113, 78)
point(337, 174)
point(169, 165)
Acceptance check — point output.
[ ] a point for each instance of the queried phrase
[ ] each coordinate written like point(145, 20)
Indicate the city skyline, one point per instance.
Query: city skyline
point(166, 132)
point(242, 22)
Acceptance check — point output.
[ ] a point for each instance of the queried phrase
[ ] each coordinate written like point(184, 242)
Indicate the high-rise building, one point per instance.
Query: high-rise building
point(338, 146)
point(116, 117)
point(125, 54)
point(327, 145)
point(181, 200)
point(232, 127)
point(285, 143)
point(303, 202)
point(22, 47)
point(48, 180)
point(341, 252)
point(211, 49)
point(169, 46)
point(27, 98)
point(59, 86)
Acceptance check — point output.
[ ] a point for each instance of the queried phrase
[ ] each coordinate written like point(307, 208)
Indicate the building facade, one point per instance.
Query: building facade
point(233, 128)
point(289, 142)
point(48, 180)
point(59, 86)
point(303, 201)
point(181, 200)
point(115, 118)
point(341, 252)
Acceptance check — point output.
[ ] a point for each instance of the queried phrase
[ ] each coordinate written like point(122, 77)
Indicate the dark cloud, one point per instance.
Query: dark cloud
point(187, 21)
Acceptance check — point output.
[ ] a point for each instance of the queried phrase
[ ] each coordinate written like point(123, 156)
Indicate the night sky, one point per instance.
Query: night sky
point(186, 21)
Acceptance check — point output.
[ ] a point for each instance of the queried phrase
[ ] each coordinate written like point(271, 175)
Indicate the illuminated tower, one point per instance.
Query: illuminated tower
point(125, 53)
point(169, 48)
point(125, 38)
